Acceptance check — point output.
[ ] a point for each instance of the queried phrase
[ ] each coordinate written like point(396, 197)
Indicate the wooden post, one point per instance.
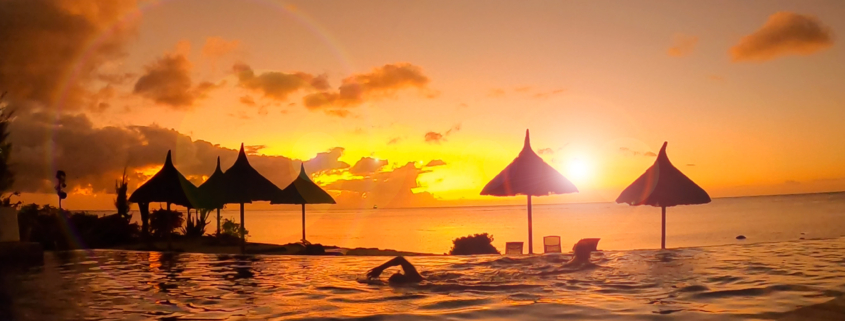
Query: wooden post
point(169, 244)
point(243, 230)
point(218, 222)
point(530, 236)
point(663, 229)
point(303, 222)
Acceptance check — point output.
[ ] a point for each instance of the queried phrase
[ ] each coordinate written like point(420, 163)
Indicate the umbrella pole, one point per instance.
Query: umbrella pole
point(169, 246)
point(218, 222)
point(243, 228)
point(530, 238)
point(663, 229)
point(303, 222)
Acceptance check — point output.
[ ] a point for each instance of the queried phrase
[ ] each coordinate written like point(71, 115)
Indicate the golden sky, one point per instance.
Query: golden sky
point(420, 103)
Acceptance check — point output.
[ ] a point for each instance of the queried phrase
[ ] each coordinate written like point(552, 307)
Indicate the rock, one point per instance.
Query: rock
point(740, 237)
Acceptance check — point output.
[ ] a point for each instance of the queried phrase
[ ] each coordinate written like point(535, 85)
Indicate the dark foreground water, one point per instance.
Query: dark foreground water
point(748, 281)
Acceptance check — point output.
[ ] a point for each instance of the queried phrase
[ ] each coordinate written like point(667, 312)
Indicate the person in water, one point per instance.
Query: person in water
point(580, 259)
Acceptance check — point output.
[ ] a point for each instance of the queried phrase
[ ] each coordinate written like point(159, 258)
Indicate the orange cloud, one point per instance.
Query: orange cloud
point(437, 138)
point(382, 81)
point(216, 47)
point(247, 100)
point(43, 40)
point(682, 45)
point(783, 34)
point(277, 85)
point(167, 81)
point(367, 166)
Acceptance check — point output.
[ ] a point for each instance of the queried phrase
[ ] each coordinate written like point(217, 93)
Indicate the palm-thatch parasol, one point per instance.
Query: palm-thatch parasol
point(663, 185)
point(167, 186)
point(528, 175)
point(244, 184)
point(303, 191)
point(213, 191)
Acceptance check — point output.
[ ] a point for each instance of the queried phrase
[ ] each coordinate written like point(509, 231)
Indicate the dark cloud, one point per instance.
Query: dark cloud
point(45, 46)
point(783, 34)
point(435, 162)
point(167, 81)
point(93, 158)
point(277, 85)
point(379, 82)
point(247, 100)
point(367, 166)
point(682, 45)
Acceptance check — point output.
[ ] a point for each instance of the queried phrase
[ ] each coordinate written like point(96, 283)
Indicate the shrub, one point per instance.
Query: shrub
point(164, 222)
point(232, 229)
point(195, 226)
point(60, 229)
point(473, 244)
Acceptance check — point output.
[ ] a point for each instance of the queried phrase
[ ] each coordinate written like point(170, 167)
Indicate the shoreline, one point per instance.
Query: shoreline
point(208, 246)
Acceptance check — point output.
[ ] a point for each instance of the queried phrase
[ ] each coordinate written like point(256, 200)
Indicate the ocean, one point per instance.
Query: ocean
point(620, 227)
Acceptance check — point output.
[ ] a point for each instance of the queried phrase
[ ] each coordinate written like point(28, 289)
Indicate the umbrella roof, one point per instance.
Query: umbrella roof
point(214, 188)
point(663, 185)
point(528, 174)
point(244, 184)
point(167, 186)
point(304, 191)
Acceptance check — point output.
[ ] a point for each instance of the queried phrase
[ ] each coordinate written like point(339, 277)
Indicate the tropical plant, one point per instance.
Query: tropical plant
point(57, 229)
point(231, 228)
point(7, 177)
point(473, 244)
point(122, 202)
point(164, 222)
point(196, 224)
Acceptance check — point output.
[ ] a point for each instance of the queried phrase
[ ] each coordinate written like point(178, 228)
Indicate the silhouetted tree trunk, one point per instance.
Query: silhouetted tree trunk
point(145, 220)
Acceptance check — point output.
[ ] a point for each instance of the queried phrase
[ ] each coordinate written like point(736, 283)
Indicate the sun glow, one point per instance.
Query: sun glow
point(579, 169)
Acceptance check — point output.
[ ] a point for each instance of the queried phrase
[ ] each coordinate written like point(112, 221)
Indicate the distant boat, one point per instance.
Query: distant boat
point(375, 207)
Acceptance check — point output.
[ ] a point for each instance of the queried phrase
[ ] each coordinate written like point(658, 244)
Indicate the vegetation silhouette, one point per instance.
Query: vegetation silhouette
point(164, 222)
point(663, 185)
point(57, 229)
point(528, 175)
point(473, 244)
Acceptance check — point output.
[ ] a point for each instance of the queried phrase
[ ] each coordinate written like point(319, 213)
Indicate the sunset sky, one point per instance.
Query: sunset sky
point(420, 103)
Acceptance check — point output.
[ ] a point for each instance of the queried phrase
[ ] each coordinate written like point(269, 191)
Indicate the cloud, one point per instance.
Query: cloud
point(167, 81)
point(253, 149)
point(277, 85)
point(434, 138)
point(394, 188)
point(546, 151)
point(526, 91)
point(367, 166)
point(682, 45)
point(784, 33)
point(496, 93)
point(43, 41)
point(394, 140)
point(437, 138)
point(380, 82)
point(247, 100)
point(629, 152)
point(435, 162)
point(43, 142)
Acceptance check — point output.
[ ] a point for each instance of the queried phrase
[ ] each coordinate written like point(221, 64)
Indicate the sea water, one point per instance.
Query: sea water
point(621, 227)
point(727, 282)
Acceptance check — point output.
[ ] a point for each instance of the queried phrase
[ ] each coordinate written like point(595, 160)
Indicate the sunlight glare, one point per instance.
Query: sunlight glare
point(578, 169)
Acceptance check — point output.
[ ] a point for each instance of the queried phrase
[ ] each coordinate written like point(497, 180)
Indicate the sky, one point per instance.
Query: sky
point(421, 103)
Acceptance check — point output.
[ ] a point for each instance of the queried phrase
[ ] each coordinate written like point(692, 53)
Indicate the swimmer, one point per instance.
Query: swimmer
point(409, 275)
point(581, 253)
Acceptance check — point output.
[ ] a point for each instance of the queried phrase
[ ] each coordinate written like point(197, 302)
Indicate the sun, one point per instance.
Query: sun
point(578, 169)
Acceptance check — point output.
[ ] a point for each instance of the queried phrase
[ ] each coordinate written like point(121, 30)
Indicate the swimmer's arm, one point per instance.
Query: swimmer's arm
point(407, 268)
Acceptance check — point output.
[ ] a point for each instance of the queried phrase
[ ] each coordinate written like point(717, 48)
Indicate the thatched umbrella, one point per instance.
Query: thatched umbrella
point(303, 191)
point(528, 175)
point(663, 185)
point(244, 184)
point(213, 191)
point(167, 186)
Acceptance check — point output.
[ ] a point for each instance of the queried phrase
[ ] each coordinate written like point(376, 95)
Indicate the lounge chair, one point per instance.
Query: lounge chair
point(551, 244)
point(513, 248)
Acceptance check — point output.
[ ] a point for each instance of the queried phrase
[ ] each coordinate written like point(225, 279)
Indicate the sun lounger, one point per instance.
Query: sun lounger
point(513, 248)
point(551, 244)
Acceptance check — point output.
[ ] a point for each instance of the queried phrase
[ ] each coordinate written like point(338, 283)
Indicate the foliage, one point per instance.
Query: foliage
point(164, 222)
point(7, 201)
point(62, 230)
point(232, 229)
point(122, 202)
point(7, 177)
point(473, 244)
point(196, 224)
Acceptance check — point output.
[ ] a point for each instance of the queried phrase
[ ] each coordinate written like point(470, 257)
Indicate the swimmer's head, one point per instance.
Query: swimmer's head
point(398, 278)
